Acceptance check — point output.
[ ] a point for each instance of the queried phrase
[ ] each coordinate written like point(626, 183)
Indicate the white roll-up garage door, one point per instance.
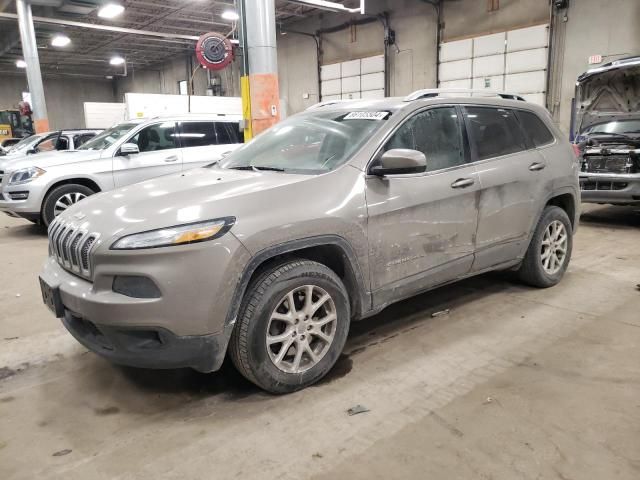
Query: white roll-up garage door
point(360, 78)
point(515, 61)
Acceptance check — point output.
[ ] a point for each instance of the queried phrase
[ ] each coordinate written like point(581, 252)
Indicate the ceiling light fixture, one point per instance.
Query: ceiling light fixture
point(331, 6)
point(60, 40)
point(110, 10)
point(21, 64)
point(230, 15)
point(116, 60)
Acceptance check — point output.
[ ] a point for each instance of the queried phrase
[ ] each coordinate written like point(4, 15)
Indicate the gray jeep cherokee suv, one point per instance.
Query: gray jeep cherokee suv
point(326, 218)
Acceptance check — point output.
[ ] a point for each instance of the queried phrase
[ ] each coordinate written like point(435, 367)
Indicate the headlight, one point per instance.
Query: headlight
point(25, 175)
point(178, 235)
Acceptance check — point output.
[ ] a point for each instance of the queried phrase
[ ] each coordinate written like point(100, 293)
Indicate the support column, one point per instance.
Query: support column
point(34, 76)
point(260, 91)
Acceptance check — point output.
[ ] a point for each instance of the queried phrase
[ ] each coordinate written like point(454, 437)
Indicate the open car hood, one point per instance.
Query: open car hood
point(609, 92)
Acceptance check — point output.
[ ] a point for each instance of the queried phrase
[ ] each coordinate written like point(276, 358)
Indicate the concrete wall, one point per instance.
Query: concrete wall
point(65, 97)
point(165, 79)
point(411, 62)
point(469, 18)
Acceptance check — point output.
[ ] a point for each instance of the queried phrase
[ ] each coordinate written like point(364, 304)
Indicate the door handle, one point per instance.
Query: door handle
point(536, 167)
point(463, 183)
point(172, 158)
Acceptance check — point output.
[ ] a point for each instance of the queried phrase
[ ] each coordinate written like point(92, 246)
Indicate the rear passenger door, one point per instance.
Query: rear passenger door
point(422, 226)
point(204, 142)
point(511, 184)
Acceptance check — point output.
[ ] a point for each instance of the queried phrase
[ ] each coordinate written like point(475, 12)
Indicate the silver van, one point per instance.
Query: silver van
point(324, 219)
point(42, 186)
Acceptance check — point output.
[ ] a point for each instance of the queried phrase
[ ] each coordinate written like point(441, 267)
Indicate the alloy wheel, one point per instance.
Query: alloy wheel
point(66, 200)
point(553, 251)
point(301, 329)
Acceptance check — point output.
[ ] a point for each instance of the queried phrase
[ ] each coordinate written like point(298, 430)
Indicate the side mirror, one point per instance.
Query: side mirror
point(400, 161)
point(129, 149)
point(32, 151)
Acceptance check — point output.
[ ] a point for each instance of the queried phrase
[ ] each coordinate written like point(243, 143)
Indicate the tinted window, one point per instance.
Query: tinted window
point(157, 137)
point(197, 134)
point(436, 133)
point(62, 144)
point(228, 133)
point(108, 137)
point(535, 128)
point(495, 131)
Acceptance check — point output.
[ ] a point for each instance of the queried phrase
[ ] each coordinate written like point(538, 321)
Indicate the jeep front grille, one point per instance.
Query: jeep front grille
point(607, 164)
point(72, 246)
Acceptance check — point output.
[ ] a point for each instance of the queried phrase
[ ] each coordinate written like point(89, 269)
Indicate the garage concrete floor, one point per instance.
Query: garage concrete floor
point(513, 383)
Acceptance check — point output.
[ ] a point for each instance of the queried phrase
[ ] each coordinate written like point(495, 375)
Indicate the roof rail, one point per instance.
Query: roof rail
point(325, 104)
point(461, 92)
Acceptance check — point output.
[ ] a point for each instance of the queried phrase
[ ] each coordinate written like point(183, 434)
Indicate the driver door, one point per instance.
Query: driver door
point(159, 155)
point(422, 227)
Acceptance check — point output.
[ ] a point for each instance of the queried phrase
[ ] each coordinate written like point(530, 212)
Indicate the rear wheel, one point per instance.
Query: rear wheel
point(61, 198)
point(292, 326)
point(549, 253)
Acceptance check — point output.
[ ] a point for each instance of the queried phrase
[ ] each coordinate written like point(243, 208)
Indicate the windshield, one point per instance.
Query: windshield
point(108, 137)
point(310, 143)
point(616, 127)
point(27, 143)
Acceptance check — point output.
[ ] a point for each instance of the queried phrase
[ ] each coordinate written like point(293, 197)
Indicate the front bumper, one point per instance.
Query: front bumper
point(149, 348)
point(186, 326)
point(610, 188)
point(26, 208)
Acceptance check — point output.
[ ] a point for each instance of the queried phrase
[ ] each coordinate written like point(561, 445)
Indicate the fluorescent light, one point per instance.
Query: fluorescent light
point(60, 40)
point(21, 64)
point(331, 6)
point(110, 10)
point(117, 60)
point(230, 15)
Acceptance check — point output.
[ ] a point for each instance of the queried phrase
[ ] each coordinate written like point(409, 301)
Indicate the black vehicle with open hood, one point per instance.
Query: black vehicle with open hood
point(608, 132)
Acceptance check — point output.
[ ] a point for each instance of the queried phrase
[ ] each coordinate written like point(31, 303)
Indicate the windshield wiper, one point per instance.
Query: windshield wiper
point(609, 134)
point(258, 169)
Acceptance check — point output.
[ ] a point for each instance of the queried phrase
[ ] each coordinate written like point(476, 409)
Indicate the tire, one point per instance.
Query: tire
point(536, 267)
point(66, 194)
point(268, 296)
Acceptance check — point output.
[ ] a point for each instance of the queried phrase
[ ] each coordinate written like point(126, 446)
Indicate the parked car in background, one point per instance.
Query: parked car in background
point(7, 143)
point(327, 217)
point(48, 142)
point(41, 187)
point(608, 132)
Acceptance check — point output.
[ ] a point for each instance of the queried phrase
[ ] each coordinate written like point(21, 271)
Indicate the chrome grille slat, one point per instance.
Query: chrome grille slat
point(72, 246)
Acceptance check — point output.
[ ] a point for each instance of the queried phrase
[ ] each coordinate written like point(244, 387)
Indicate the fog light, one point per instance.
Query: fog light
point(19, 195)
point(136, 287)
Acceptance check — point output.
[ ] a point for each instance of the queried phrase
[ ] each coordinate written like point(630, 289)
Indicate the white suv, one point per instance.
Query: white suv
point(41, 187)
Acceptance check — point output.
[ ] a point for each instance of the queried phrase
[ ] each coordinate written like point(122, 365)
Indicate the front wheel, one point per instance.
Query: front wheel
point(549, 253)
point(61, 198)
point(292, 327)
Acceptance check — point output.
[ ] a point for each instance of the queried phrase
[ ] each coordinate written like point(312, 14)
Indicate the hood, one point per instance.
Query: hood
point(47, 160)
point(609, 92)
point(197, 195)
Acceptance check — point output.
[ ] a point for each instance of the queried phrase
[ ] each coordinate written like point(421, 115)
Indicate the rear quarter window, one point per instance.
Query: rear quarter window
point(494, 131)
point(535, 128)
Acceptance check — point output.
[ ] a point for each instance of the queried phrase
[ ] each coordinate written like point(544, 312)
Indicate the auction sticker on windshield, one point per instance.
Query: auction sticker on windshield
point(366, 116)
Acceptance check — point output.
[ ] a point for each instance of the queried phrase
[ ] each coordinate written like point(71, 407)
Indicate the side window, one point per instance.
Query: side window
point(228, 133)
point(63, 143)
point(436, 133)
point(48, 144)
point(161, 136)
point(495, 131)
point(535, 128)
point(80, 140)
point(197, 134)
